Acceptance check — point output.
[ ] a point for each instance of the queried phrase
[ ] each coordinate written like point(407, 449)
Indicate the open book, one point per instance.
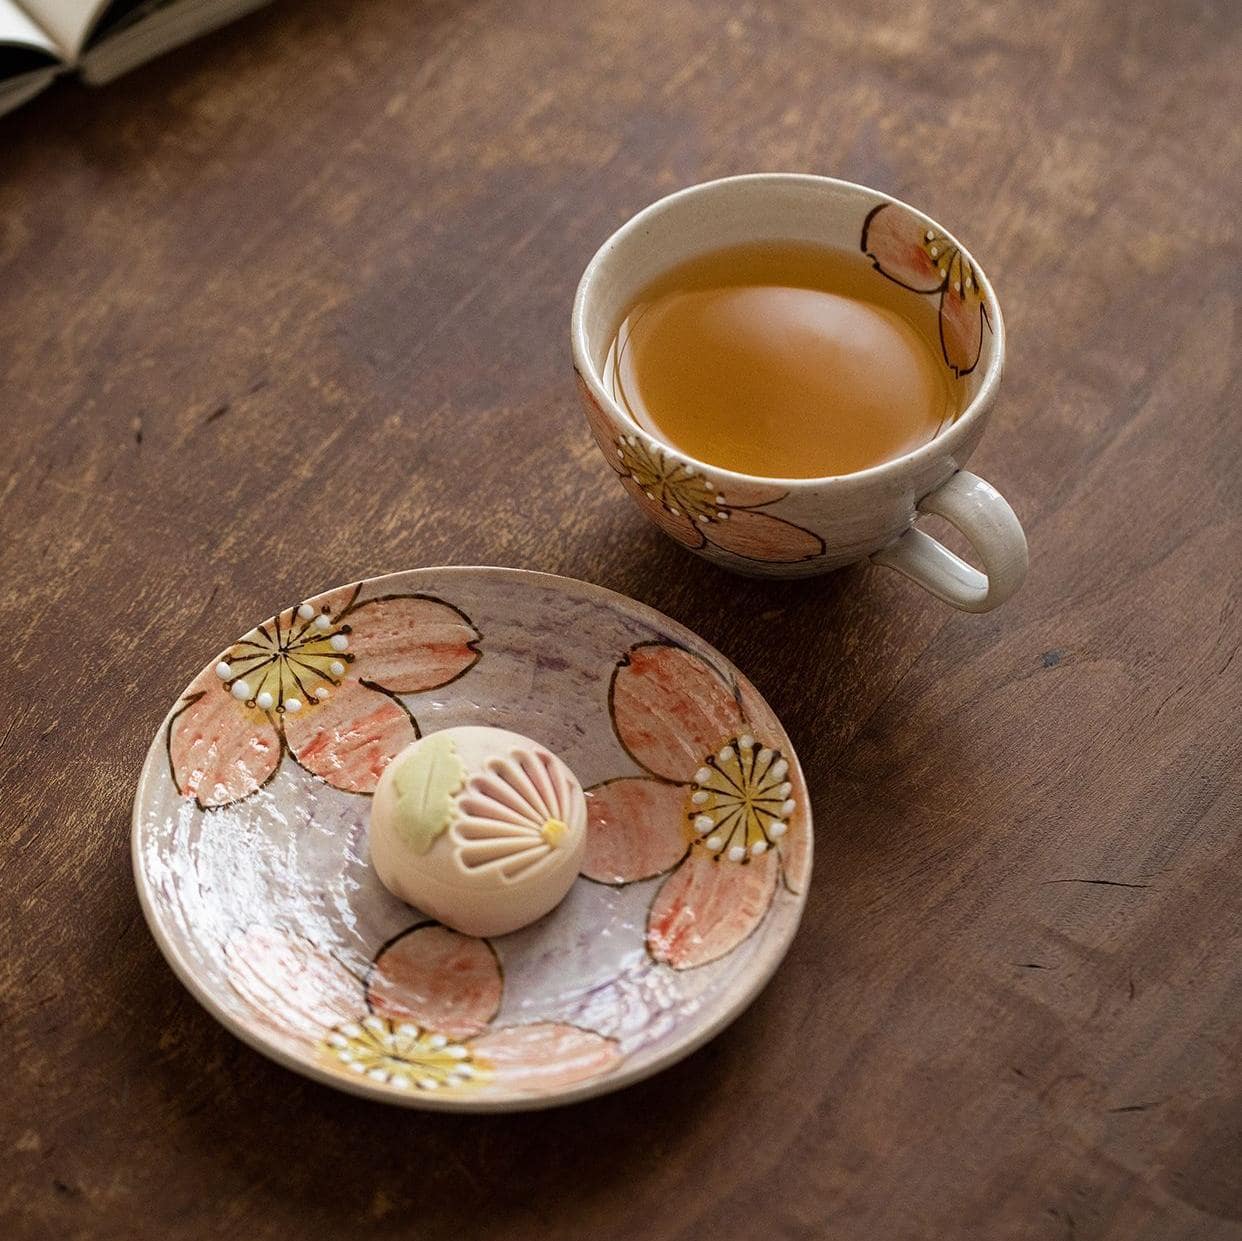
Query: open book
point(102, 38)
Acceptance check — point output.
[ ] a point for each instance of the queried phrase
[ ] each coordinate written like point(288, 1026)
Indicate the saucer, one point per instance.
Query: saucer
point(251, 861)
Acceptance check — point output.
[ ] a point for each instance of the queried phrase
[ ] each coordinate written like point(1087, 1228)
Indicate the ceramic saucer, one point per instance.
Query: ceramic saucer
point(250, 841)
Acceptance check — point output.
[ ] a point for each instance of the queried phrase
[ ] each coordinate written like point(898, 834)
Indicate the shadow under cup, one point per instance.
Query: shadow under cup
point(801, 526)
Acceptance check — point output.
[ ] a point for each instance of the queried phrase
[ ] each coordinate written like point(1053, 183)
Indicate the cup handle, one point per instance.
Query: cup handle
point(983, 515)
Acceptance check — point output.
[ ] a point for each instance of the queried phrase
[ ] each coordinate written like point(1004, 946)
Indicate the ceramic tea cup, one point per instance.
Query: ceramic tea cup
point(795, 527)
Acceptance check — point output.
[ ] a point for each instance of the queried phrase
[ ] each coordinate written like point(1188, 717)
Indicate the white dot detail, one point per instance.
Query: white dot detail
point(957, 286)
point(703, 775)
point(779, 768)
point(240, 690)
point(293, 706)
point(934, 251)
point(759, 848)
point(777, 830)
point(223, 671)
point(929, 235)
point(322, 622)
point(306, 611)
point(703, 824)
point(338, 642)
point(764, 756)
point(457, 1052)
point(427, 1083)
point(401, 1082)
point(264, 701)
point(726, 754)
point(788, 807)
point(437, 1041)
point(746, 742)
point(322, 692)
point(737, 853)
point(715, 844)
point(336, 668)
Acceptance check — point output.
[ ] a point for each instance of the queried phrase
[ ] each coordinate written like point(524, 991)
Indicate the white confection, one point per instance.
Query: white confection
point(480, 828)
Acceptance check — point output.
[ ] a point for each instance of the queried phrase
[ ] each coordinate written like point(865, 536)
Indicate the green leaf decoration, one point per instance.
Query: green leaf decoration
point(426, 781)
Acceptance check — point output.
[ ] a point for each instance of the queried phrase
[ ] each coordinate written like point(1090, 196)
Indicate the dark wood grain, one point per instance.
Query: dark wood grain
point(290, 307)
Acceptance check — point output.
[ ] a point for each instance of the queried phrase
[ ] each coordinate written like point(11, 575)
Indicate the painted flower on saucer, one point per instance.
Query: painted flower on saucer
point(319, 682)
point(717, 812)
point(420, 1022)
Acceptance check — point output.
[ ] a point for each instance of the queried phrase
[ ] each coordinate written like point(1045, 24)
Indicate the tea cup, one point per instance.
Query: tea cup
point(796, 527)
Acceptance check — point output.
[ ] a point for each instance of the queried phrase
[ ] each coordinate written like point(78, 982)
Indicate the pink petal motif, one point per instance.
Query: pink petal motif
point(438, 979)
point(291, 988)
point(676, 525)
point(634, 829)
point(603, 426)
point(219, 750)
point(893, 238)
point(349, 739)
point(962, 315)
point(748, 493)
point(411, 643)
point(760, 536)
point(543, 1057)
point(706, 907)
point(671, 709)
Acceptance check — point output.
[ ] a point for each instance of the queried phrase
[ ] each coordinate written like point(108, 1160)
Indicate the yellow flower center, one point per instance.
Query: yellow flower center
point(292, 662)
point(401, 1054)
point(680, 489)
point(740, 804)
point(951, 265)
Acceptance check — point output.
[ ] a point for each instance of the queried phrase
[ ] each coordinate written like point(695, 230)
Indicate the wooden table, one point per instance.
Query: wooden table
point(290, 307)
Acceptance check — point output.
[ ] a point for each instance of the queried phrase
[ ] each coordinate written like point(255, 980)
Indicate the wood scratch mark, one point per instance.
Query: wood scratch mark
point(1138, 1107)
point(1104, 883)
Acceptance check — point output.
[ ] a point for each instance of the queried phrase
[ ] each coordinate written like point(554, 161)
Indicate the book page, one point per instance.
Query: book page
point(17, 28)
point(69, 22)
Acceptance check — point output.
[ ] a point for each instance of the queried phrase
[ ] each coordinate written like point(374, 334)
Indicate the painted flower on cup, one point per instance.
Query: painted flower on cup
point(693, 509)
point(924, 260)
point(420, 1022)
point(721, 811)
point(318, 681)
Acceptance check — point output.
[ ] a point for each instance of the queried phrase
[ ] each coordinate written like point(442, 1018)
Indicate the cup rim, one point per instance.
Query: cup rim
point(956, 433)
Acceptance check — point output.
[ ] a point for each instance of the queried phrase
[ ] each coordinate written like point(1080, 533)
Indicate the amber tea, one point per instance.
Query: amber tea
point(783, 360)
